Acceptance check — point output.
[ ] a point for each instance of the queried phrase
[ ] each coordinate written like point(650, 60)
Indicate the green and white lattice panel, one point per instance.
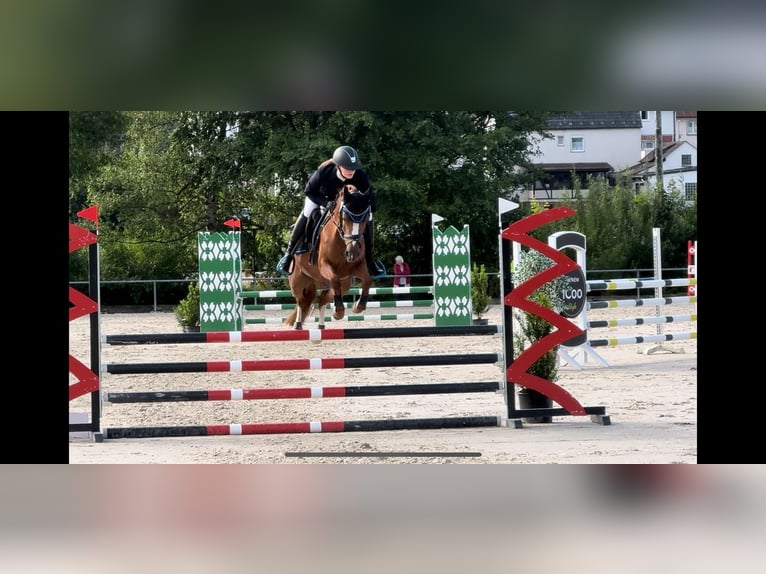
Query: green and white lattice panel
point(452, 276)
point(220, 281)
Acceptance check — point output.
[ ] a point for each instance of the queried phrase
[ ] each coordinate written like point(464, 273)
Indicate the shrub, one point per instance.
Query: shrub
point(529, 327)
point(187, 310)
point(479, 291)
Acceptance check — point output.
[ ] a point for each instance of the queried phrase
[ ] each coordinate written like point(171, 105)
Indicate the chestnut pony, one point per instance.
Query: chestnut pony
point(325, 273)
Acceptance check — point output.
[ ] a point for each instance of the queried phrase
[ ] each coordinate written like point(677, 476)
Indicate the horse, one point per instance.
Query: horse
point(336, 255)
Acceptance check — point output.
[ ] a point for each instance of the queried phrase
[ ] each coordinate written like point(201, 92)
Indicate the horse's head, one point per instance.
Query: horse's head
point(354, 213)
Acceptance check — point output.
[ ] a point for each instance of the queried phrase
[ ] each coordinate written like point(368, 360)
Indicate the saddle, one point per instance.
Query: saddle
point(314, 231)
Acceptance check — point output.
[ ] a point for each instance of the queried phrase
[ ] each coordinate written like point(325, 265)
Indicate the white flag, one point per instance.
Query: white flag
point(504, 205)
point(436, 219)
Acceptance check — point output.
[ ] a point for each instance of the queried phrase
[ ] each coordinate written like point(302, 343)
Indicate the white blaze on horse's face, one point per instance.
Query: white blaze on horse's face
point(354, 216)
point(353, 246)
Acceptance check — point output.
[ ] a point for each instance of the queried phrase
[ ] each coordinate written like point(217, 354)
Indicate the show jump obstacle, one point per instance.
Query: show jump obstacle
point(565, 330)
point(86, 379)
point(514, 369)
point(222, 297)
point(576, 305)
point(353, 292)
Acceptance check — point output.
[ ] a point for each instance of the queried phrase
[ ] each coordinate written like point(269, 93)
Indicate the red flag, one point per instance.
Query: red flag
point(233, 223)
point(89, 213)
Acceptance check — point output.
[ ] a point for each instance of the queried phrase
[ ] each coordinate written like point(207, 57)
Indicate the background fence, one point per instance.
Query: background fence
point(163, 294)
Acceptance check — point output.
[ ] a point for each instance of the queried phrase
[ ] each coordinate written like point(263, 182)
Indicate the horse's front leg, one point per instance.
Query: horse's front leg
point(361, 304)
point(340, 309)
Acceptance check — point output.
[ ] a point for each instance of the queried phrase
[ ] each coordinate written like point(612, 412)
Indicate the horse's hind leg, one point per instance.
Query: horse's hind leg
point(302, 309)
point(322, 300)
point(322, 310)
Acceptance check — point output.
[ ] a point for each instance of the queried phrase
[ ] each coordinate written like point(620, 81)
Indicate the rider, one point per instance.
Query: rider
point(321, 188)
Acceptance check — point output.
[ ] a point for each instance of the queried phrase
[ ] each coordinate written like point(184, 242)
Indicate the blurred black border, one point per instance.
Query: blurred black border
point(393, 56)
point(36, 183)
point(728, 373)
point(722, 425)
point(345, 55)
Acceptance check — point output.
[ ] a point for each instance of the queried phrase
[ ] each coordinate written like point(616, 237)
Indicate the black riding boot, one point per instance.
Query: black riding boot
point(376, 269)
point(299, 229)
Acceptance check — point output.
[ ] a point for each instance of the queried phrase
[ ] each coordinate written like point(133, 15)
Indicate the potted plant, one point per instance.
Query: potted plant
point(187, 310)
point(479, 296)
point(530, 328)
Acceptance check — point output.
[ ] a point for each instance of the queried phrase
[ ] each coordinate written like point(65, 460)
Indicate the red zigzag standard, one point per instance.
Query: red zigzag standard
point(564, 330)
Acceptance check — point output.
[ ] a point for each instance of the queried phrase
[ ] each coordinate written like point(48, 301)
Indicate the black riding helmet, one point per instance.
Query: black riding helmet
point(346, 157)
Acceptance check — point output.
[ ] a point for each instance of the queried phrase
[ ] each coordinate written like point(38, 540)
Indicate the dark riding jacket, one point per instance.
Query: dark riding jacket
point(324, 185)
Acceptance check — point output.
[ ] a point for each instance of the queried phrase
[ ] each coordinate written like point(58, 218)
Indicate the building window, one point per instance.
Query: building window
point(644, 115)
point(690, 191)
point(560, 141)
point(578, 144)
point(691, 127)
point(647, 144)
point(686, 159)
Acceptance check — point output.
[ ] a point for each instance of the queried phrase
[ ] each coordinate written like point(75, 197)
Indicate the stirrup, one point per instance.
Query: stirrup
point(283, 267)
point(378, 270)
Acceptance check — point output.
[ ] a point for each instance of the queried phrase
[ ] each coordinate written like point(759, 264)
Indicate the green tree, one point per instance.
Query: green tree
point(94, 139)
point(456, 164)
point(177, 173)
point(161, 177)
point(148, 214)
point(618, 222)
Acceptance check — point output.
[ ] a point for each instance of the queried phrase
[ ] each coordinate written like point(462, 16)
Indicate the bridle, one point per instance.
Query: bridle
point(356, 218)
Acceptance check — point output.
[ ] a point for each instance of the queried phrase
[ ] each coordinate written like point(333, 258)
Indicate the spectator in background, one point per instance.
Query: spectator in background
point(401, 274)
